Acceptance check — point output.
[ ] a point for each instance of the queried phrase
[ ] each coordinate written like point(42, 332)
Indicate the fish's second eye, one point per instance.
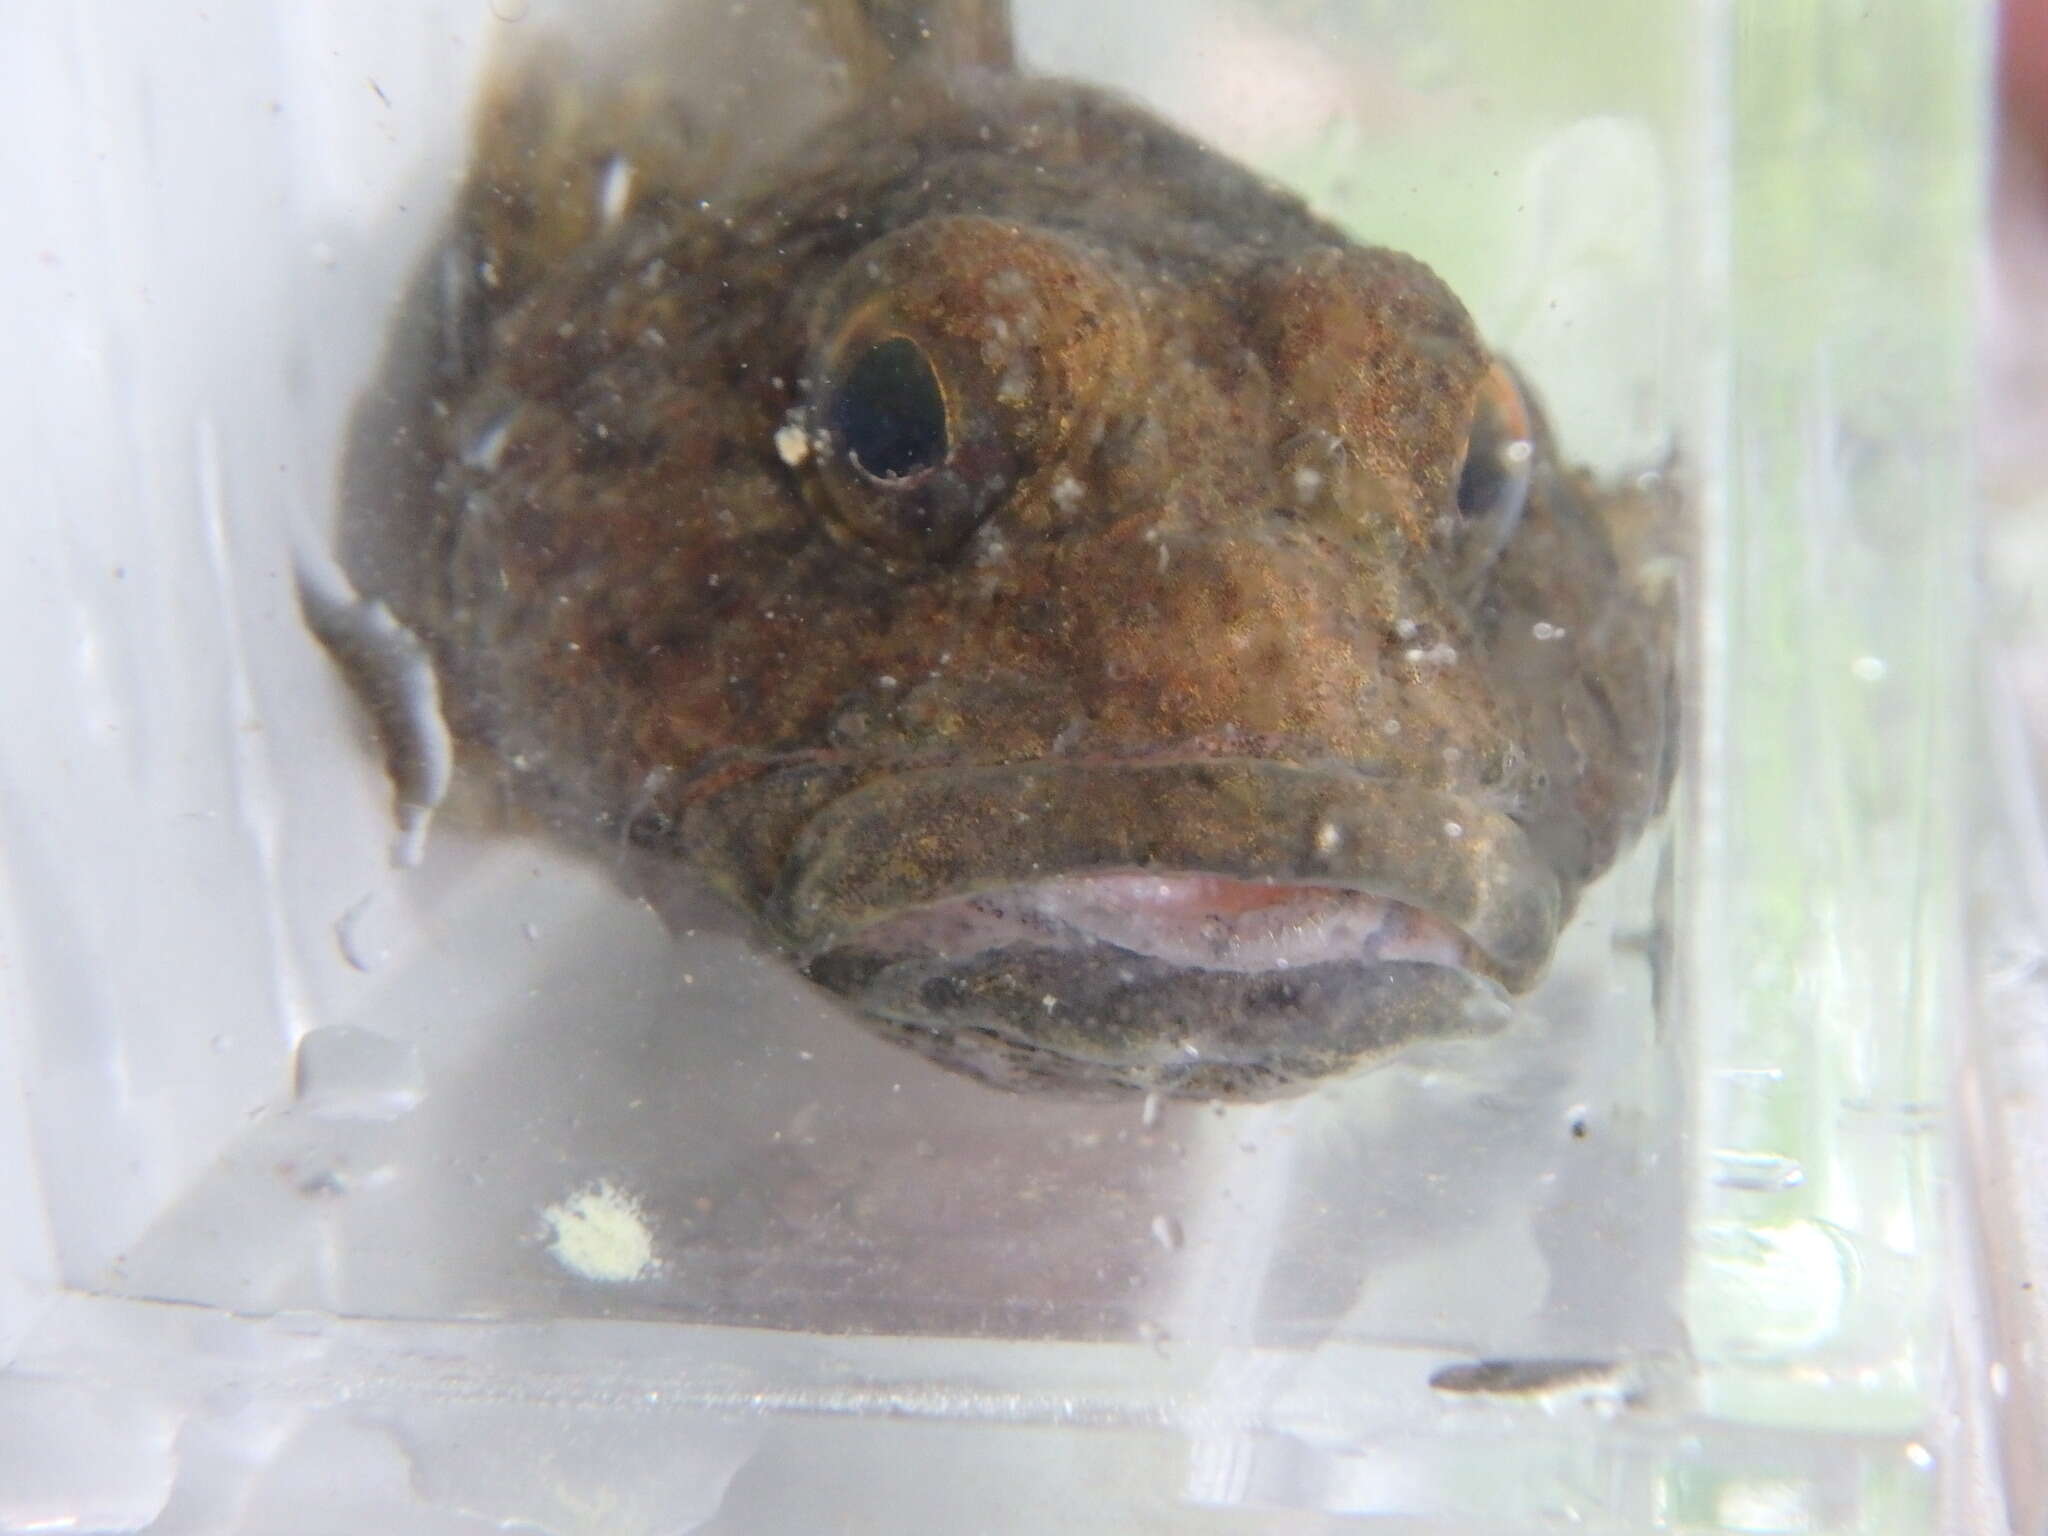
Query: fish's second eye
point(1494, 479)
point(890, 412)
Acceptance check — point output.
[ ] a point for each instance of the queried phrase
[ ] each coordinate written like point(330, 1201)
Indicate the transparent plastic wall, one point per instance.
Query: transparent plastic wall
point(477, 1194)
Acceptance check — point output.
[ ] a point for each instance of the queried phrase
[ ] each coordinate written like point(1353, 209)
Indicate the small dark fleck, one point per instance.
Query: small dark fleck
point(1522, 1377)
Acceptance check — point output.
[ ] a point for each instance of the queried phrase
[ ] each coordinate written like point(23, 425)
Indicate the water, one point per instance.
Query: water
point(502, 1198)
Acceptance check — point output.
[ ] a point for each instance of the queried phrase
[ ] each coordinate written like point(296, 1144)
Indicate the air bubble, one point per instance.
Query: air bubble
point(365, 934)
point(343, 1072)
point(1765, 1172)
point(393, 675)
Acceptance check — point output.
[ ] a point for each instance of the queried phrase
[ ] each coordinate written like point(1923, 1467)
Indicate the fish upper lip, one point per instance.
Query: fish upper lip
point(927, 835)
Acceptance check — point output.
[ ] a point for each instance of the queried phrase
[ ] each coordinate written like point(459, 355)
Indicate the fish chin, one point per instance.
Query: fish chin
point(1190, 984)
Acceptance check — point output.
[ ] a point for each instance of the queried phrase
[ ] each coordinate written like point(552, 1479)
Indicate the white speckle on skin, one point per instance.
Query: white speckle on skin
point(1307, 483)
point(1066, 493)
point(1868, 669)
point(599, 1233)
point(615, 190)
point(1454, 830)
point(1546, 631)
point(792, 443)
point(486, 450)
point(1329, 837)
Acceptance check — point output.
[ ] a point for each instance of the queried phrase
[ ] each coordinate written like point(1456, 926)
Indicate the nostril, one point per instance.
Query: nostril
point(942, 994)
point(1274, 997)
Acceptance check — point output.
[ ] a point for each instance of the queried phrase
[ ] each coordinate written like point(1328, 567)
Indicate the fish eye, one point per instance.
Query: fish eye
point(890, 412)
point(1499, 452)
point(1493, 481)
point(915, 460)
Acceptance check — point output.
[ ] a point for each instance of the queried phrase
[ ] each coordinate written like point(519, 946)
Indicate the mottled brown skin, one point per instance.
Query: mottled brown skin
point(1192, 591)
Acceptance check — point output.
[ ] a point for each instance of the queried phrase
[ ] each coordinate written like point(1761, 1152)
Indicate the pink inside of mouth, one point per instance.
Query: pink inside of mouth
point(1206, 922)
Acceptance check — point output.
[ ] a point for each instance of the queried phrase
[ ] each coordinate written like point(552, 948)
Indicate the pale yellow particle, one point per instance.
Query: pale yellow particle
point(600, 1234)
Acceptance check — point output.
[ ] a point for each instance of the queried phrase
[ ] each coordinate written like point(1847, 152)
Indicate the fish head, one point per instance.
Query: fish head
point(1116, 631)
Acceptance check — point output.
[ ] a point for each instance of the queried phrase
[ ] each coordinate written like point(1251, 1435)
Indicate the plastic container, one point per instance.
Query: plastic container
point(464, 1197)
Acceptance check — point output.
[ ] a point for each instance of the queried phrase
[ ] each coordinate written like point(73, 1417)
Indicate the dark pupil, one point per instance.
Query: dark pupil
point(1484, 480)
point(889, 412)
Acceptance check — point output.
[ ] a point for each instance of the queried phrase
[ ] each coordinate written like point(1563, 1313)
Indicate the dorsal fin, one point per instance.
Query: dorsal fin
point(874, 37)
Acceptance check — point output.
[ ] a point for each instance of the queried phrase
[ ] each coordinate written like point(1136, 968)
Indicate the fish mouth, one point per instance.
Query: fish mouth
point(1219, 928)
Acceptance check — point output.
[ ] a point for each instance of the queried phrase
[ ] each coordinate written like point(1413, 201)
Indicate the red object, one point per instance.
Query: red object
point(2023, 71)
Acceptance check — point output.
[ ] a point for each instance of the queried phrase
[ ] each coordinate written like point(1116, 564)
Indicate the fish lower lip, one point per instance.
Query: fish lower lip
point(1198, 921)
point(1191, 984)
point(1327, 856)
point(1096, 1021)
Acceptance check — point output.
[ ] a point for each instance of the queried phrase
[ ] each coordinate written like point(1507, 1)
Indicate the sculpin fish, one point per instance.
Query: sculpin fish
point(1111, 627)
